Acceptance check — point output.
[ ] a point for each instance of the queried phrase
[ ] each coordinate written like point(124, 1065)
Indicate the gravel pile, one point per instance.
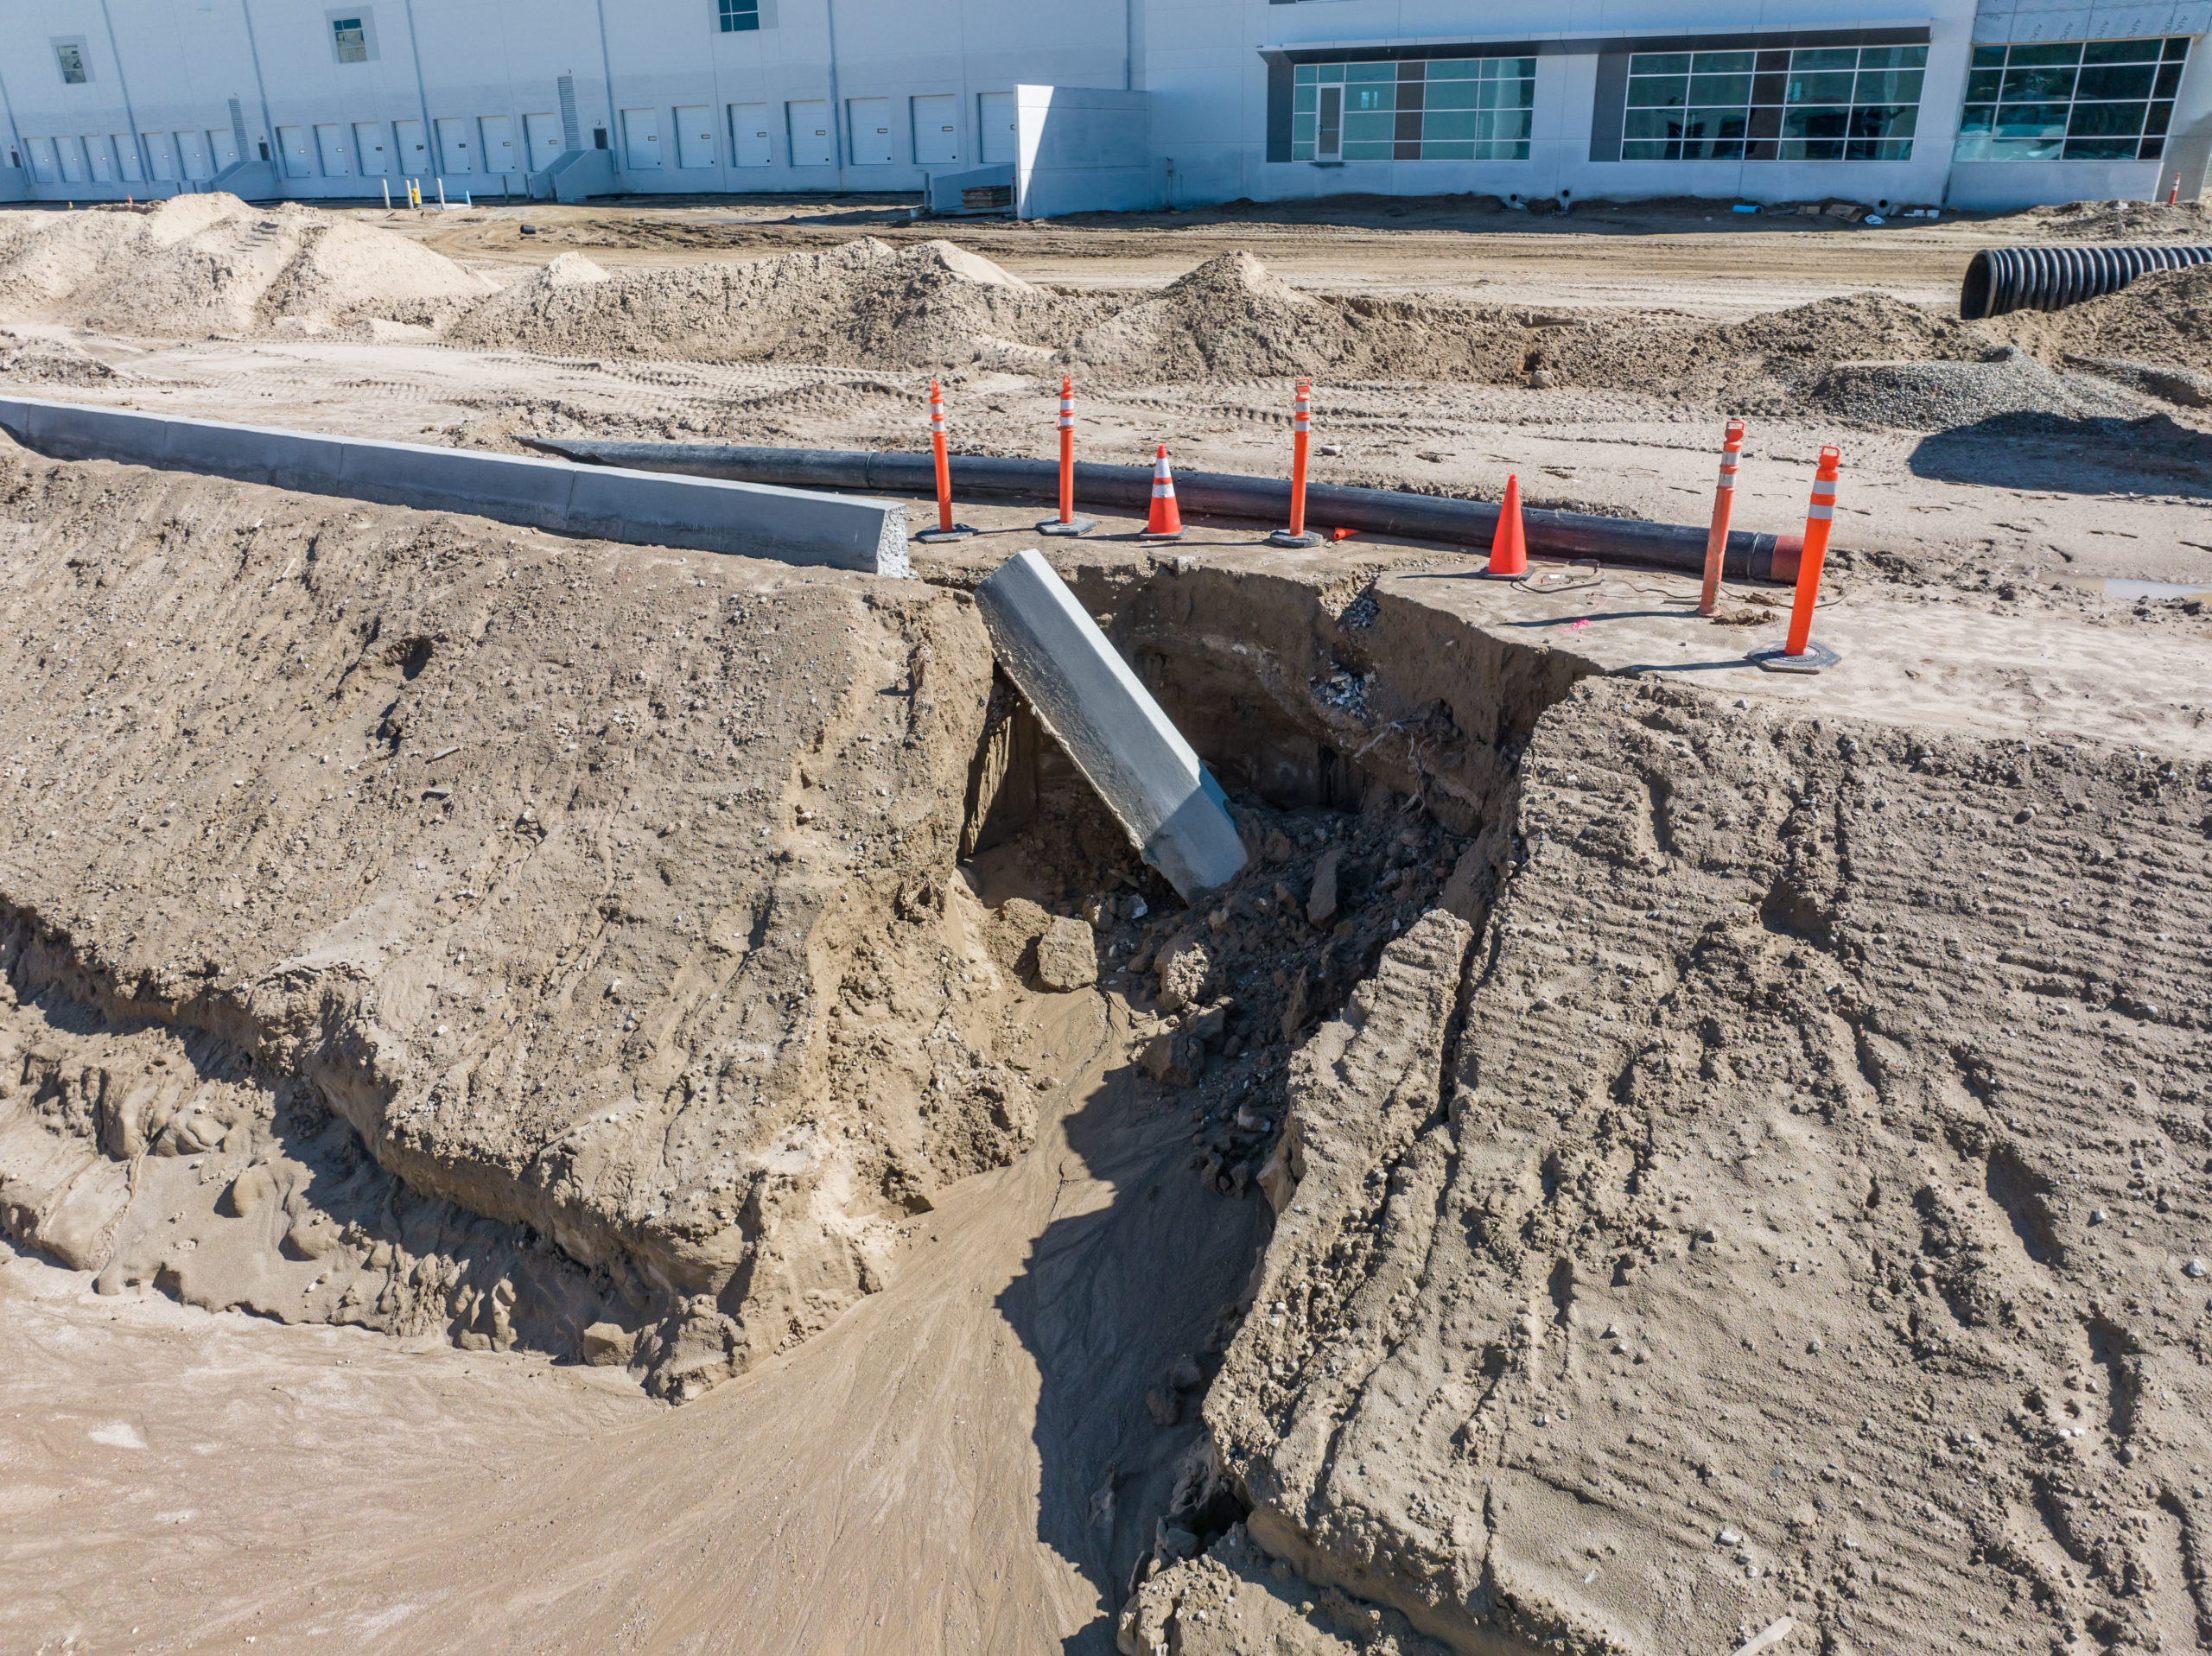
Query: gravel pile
point(1943, 396)
point(2123, 221)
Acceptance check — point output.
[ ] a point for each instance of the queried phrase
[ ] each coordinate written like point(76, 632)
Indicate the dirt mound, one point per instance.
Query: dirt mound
point(2165, 318)
point(196, 264)
point(31, 356)
point(1765, 364)
point(2123, 221)
point(862, 305)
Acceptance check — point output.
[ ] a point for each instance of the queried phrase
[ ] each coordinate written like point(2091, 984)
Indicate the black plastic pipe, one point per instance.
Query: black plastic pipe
point(1379, 511)
point(2001, 279)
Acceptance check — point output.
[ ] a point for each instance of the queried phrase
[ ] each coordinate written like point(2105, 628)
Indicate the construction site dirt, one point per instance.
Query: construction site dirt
point(567, 1095)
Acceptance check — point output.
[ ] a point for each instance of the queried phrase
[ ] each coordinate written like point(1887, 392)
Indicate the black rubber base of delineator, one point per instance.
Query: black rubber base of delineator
point(931, 536)
point(1284, 537)
point(1073, 526)
point(1771, 658)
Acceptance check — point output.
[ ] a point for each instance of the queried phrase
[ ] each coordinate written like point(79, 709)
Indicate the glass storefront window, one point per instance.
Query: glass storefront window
point(1418, 108)
point(2071, 100)
point(1830, 103)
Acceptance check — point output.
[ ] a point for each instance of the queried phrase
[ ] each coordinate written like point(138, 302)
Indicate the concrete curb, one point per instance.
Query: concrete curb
point(751, 520)
point(1111, 727)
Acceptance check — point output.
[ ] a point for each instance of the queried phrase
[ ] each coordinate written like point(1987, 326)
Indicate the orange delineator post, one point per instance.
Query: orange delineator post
point(1067, 449)
point(1301, 428)
point(1067, 522)
point(1165, 522)
point(937, 453)
point(1509, 546)
point(1724, 503)
point(946, 530)
point(2174, 194)
point(1819, 517)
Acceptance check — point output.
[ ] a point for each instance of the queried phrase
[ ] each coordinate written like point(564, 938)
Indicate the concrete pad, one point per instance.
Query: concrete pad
point(651, 509)
point(1110, 725)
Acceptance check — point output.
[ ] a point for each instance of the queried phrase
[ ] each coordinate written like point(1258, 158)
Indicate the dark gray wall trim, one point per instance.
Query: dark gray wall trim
point(1280, 77)
point(1607, 118)
point(1771, 39)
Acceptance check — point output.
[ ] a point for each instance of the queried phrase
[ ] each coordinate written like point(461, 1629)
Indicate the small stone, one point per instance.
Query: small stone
point(1321, 906)
point(1277, 847)
point(1067, 956)
point(2098, 1215)
point(1183, 967)
point(1728, 1538)
point(2195, 1267)
point(1163, 1404)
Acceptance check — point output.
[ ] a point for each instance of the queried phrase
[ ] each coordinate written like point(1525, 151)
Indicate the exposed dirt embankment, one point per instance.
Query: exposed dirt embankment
point(1807, 1222)
point(384, 889)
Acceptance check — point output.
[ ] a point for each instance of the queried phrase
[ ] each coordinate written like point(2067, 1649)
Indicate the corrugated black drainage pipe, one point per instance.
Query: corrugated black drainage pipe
point(1255, 499)
point(2001, 279)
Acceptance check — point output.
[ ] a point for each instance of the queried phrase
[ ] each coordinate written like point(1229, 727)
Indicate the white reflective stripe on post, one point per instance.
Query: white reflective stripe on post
point(1820, 514)
point(1300, 425)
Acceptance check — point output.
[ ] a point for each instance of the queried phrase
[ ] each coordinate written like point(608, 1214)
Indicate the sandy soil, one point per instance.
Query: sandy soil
point(1649, 1153)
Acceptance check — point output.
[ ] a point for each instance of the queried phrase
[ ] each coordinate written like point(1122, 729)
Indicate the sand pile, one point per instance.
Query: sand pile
point(2123, 221)
point(862, 305)
point(197, 264)
point(63, 362)
point(2164, 319)
point(1231, 316)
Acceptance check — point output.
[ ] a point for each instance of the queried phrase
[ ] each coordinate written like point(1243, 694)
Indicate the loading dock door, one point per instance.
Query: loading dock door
point(454, 154)
point(995, 128)
point(371, 150)
point(544, 134)
point(160, 152)
point(641, 139)
point(810, 129)
point(498, 134)
point(96, 146)
point(694, 135)
point(330, 150)
point(223, 145)
point(937, 132)
point(191, 155)
point(126, 155)
point(871, 131)
point(414, 159)
point(748, 134)
point(298, 151)
point(44, 168)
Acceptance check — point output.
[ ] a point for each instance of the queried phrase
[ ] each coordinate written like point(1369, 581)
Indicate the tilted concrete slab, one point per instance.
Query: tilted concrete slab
point(1111, 727)
point(645, 508)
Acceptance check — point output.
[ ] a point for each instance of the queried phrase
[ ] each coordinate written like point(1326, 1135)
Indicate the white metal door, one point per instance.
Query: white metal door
point(937, 132)
point(44, 166)
point(222, 149)
point(191, 155)
point(498, 134)
point(126, 157)
point(748, 134)
point(294, 144)
point(542, 134)
point(413, 157)
point(96, 146)
point(695, 135)
point(995, 127)
point(641, 139)
point(869, 124)
point(371, 150)
point(1328, 143)
point(455, 155)
point(161, 155)
point(330, 150)
point(810, 129)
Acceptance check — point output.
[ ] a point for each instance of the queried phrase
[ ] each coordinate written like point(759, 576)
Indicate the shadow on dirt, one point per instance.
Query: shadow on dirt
point(2049, 452)
point(1111, 1297)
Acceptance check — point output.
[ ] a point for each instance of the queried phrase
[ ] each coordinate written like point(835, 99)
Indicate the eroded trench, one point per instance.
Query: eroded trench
point(1369, 746)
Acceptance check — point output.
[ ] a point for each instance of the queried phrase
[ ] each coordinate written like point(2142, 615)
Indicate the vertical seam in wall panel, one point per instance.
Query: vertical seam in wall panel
point(1606, 111)
point(122, 85)
point(261, 87)
point(422, 95)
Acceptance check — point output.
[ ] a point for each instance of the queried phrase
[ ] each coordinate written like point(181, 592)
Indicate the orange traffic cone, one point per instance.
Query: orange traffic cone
point(1165, 522)
point(1508, 548)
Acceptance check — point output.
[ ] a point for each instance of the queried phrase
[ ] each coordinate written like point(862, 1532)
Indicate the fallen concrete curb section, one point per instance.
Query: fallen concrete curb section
point(1267, 500)
point(647, 508)
point(1110, 725)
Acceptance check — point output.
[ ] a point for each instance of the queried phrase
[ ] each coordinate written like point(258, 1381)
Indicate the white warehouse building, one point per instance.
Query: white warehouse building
point(1071, 104)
